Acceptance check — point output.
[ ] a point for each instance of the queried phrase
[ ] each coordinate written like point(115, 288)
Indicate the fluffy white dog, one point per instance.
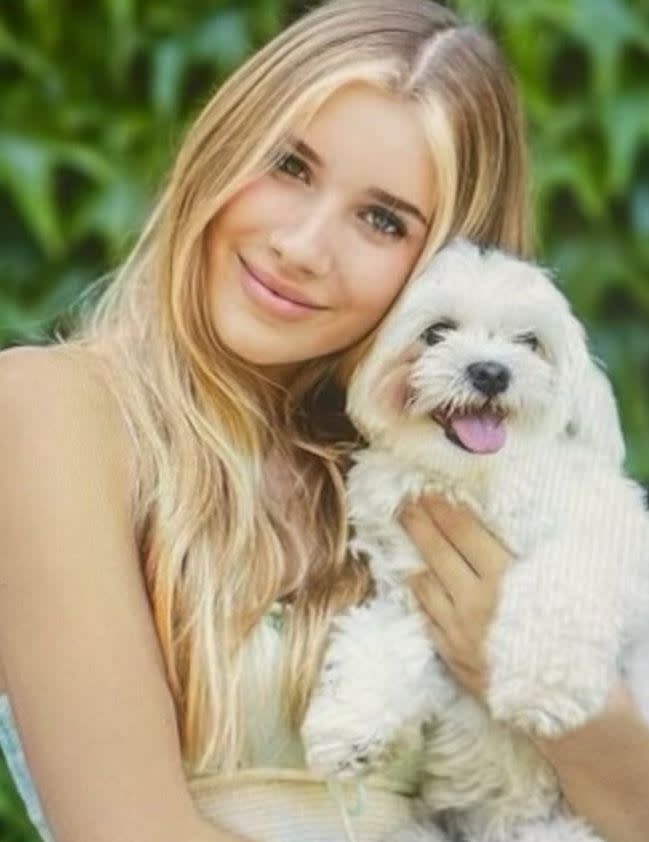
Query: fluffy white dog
point(480, 387)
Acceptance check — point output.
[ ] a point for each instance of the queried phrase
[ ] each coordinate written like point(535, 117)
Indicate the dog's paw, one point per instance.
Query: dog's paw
point(544, 709)
point(550, 670)
point(349, 761)
point(336, 742)
point(328, 754)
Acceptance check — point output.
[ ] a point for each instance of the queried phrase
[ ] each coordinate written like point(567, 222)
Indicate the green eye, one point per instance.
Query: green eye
point(292, 165)
point(386, 222)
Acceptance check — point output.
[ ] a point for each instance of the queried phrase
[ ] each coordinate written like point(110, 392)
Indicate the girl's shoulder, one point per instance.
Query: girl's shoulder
point(40, 376)
point(42, 386)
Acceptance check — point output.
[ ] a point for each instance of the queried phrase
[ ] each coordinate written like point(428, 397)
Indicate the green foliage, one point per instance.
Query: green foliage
point(96, 95)
point(14, 823)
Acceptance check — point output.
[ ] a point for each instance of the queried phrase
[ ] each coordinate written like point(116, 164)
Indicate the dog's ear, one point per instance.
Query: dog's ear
point(592, 415)
point(393, 389)
point(594, 418)
point(379, 390)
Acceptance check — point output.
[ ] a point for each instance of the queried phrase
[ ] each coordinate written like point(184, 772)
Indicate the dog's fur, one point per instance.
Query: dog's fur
point(574, 604)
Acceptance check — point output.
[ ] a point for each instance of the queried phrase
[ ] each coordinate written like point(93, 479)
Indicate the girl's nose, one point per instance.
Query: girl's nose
point(305, 241)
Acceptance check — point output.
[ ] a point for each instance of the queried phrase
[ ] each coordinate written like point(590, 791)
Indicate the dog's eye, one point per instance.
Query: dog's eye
point(433, 333)
point(529, 339)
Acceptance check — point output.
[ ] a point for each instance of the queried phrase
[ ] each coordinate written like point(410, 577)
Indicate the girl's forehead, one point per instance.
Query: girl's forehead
point(368, 138)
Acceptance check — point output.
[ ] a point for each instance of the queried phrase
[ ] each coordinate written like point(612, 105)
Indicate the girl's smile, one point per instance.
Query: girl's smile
point(274, 295)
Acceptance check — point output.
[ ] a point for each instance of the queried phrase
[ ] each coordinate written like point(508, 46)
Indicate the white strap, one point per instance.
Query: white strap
point(337, 794)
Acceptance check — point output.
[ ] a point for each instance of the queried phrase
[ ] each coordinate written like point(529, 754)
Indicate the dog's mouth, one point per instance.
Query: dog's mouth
point(474, 429)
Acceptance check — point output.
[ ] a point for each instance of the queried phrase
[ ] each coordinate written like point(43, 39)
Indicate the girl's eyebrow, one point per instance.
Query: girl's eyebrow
point(310, 154)
point(379, 194)
point(397, 204)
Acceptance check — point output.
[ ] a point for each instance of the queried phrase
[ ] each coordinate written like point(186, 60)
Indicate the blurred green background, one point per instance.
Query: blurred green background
point(96, 96)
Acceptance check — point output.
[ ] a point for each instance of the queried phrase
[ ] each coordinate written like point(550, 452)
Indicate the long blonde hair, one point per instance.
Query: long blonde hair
point(214, 544)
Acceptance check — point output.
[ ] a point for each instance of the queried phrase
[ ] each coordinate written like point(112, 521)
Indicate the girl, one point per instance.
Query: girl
point(174, 533)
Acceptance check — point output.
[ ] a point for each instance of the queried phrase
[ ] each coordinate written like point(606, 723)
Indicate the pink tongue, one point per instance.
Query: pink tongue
point(483, 433)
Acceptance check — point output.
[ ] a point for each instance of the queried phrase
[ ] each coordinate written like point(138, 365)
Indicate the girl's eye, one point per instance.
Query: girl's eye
point(290, 164)
point(386, 222)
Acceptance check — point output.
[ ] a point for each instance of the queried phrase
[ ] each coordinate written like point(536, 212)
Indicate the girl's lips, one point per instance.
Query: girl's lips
point(269, 300)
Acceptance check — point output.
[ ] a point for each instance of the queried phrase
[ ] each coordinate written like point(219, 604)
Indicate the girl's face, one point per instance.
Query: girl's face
point(306, 259)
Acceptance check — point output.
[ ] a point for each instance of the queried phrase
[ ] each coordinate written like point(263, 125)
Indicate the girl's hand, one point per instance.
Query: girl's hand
point(459, 586)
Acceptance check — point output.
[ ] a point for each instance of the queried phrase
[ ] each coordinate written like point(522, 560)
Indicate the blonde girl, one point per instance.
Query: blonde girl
point(174, 536)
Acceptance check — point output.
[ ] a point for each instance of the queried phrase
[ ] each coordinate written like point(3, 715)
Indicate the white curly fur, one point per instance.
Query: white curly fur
point(573, 610)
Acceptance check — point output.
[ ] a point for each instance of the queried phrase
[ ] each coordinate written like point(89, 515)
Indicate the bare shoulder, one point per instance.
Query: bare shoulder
point(53, 397)
point(51, 366)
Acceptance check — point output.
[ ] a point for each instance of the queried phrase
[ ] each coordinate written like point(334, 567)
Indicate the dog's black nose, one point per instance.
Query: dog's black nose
point(489, 377)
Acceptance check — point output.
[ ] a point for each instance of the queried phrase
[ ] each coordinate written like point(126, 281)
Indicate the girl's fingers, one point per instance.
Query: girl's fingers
point(433, 598)
point(470, 538)
point(439, 555)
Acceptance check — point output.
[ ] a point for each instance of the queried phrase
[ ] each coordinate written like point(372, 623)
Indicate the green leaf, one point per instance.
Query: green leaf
point(26, 171)
point(625, 118)
point(639, 207)
point(25, 55)
point(222, 39)
point(114, 213)
point(124, 36)
point(605, 27)
point(168, 65)
point(47, 20)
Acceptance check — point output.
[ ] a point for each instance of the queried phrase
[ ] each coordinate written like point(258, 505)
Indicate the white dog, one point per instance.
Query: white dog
point(479, 386)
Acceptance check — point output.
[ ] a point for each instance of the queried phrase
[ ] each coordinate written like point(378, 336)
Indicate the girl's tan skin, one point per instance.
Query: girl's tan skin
point(603, 767)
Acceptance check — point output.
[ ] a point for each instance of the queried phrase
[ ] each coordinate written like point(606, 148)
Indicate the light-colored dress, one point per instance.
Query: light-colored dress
point(273, 798)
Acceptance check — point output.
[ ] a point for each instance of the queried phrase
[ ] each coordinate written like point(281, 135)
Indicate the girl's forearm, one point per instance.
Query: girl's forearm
point(603, 770)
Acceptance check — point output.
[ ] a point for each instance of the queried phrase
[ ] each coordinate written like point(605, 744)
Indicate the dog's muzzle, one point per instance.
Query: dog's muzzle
point(479, 429)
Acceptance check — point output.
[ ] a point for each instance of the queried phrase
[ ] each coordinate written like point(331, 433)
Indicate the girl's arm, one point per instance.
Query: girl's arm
point(81, 660)
point(603, 767)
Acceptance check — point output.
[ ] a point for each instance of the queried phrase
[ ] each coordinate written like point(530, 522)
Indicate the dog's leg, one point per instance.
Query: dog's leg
point(553, 644)
point(380, 674)
point(473, 763)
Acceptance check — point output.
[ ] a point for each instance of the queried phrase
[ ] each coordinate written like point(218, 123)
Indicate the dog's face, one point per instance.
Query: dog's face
point(481, 350)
